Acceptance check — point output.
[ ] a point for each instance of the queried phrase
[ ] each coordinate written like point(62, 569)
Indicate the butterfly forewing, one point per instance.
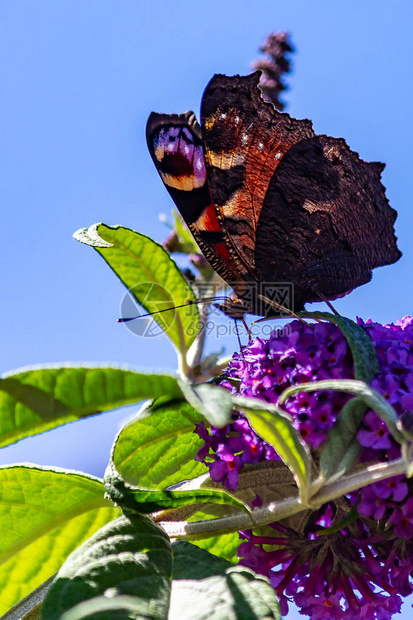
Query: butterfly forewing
point(175, 144)
point(245, 139)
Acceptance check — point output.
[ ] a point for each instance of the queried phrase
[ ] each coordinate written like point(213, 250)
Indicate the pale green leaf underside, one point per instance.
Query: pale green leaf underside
point(275, 427)
point(373, 399)
point(237, 594)
point(212, 401)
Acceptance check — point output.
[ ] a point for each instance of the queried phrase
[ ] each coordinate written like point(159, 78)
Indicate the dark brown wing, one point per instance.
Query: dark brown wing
point(325, 222)
point(293, 206)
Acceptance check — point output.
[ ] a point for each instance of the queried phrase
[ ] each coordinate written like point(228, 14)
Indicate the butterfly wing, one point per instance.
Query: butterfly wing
point(245, 139)
point(293, 207)
point(325, 222)
point(175, 144)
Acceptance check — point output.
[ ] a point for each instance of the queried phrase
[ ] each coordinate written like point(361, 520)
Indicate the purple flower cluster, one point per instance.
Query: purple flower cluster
point(265, 368)
point(363, 569)
point(394, 348)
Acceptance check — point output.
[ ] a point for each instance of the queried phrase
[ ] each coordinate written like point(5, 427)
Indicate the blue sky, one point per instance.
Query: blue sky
point(79, 80)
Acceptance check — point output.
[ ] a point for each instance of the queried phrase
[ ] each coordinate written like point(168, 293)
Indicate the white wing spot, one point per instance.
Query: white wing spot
point(277, 156)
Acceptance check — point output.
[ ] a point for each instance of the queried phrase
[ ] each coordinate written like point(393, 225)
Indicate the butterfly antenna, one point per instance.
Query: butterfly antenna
point(206, 300)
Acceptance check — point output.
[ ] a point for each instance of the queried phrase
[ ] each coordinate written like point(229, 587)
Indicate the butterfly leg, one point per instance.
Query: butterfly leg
point(323, 298)
point(247, 329)
point(238, 337)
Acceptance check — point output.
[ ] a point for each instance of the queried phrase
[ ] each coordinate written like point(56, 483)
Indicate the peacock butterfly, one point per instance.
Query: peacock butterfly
point(268, 201)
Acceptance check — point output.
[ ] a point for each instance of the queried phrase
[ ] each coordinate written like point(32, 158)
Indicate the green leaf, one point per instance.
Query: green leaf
point(151, 276)
point(130, 557)
point(146, 501)
point(237, 595)
point(276, 428)
point(124, 572)
point(208, 588)
point(366, 365)
point(224, 546)
point(30, 607)
point(44, 515)
point(157, 448)
point(374, 400)
point(212, 401)
point(341, 450)
point(37, 399)
point(192, 562)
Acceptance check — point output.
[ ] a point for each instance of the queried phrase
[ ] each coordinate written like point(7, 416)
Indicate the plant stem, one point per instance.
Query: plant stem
point(276, 511)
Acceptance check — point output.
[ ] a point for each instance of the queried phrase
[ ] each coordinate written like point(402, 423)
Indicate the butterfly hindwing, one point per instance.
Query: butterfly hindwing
point(325, 222)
